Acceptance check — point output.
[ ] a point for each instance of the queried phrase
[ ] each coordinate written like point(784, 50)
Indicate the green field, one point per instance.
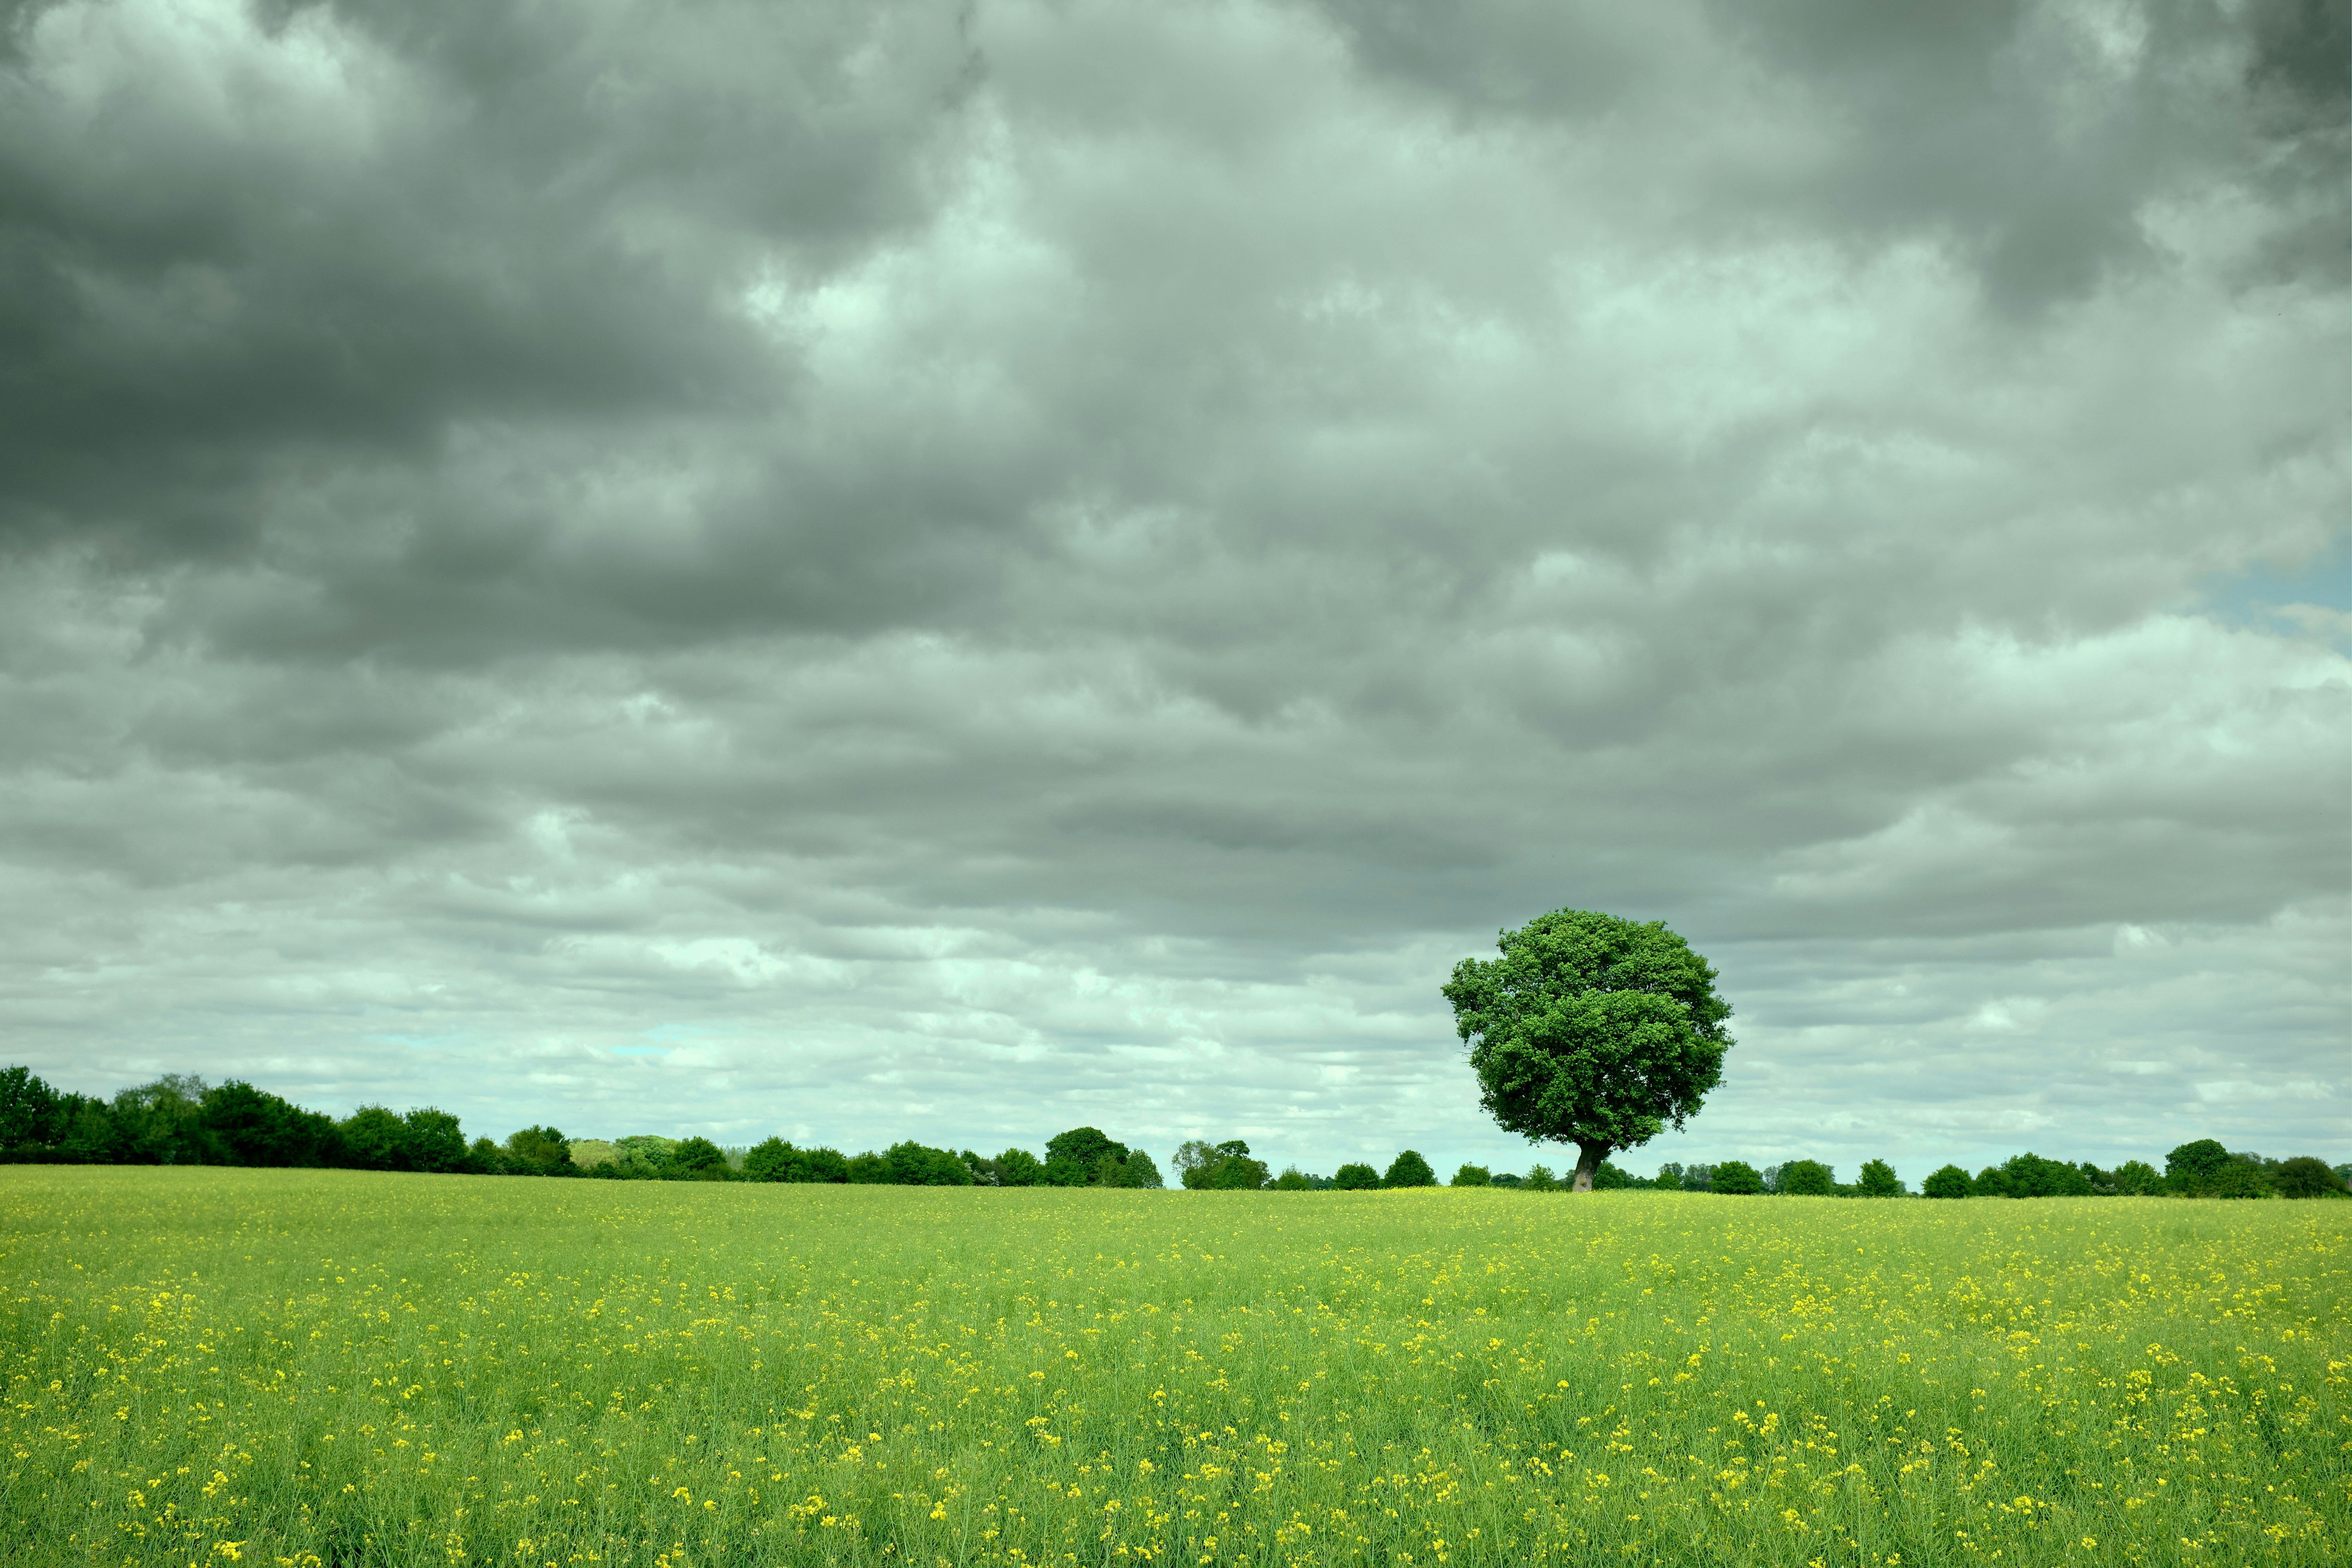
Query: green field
point(283, 1367)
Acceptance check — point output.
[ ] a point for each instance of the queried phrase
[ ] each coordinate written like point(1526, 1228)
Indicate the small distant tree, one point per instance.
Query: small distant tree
point(2305, 1177)
point(984, 1170)
point(914, 1165)
point(1699, 1177)
point(1737, 1176)
point(1110, 1170)
point(2137, 1178)
point(1193, 1160)
point(697, 1158)
point(1408, 1170)
point(2240, 1179)
point(1061, 1171)
point(1509, 1179)
point(1949, 1182)
point(30, 1111)
point(1019, 1168)
point(2195, 1165)
point(1473, 1176)
point(1539, 1179)
point(1591, 1030)
point(1294, 1179)
point(1993, 1182)
point(820, 1165)
point(1238, 1173)
point(1083, 1147)
point(1877, 1179)
point(1142, 1172)
point(770, 1160)
point(1670, 1177)
point(1610, 1178)
point(2032, 1177)
point(1355, 1176)
point(869, 1169)
point(1807, 1179)
point(539, 1152)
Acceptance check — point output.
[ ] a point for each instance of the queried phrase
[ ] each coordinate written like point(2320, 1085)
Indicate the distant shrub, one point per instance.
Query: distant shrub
point(1473, 1176)
point(2305, 1177)
point(1294, 1179)
point(1877, 1179)
point(1738, 1176)
point(1355, 1177)
point(1808, 1179)
point(1949, 1182)
point(1540, 1180)
point(1408, 1170)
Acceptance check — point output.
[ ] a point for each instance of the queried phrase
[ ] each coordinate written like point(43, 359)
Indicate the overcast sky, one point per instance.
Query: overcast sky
point(879, 571)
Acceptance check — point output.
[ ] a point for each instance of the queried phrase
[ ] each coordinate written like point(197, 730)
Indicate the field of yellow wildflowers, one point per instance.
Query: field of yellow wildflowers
point(319, 1368)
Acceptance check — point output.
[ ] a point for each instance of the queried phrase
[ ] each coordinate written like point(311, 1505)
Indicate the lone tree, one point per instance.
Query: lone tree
point(1591, 1030)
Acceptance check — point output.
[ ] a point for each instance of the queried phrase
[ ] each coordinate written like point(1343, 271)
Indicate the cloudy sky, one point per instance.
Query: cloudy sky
point(883, 570)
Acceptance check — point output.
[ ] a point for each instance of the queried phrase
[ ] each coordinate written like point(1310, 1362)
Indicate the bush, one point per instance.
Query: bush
point(1949, 1182)
point(770, 1160)
point(2137, 1178)
point(869, 1169)
point(697, 1158)
point(1019, 1168)
point(1473, 1176)
point(1061, 1171)
point(1408, 1170)
point(1670, 1178)
point(2189, 1167)
point(1878, 1179)
point(1294, 1179)
point(1540, 1180)
point(914, 1165)
point(1992, 1182)
point(2239, 1179)
point(1610, 1178)
point(1238, 1173)
point(2032, 1177)
point(2305, 1177)
point(1355, 1177)
point(1808, 1179)
point(1737, 1176)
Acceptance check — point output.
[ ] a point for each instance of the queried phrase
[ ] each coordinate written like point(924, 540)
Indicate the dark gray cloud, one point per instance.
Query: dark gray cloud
point(917, 569)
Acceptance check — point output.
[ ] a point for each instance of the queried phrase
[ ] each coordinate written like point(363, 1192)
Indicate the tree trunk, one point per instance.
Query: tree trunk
point(1587, 1160)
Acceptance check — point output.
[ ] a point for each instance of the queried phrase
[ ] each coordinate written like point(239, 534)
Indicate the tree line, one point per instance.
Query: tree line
point(180, 1119)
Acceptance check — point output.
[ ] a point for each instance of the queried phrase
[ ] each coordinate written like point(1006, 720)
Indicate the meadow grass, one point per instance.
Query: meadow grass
point(328, 1367)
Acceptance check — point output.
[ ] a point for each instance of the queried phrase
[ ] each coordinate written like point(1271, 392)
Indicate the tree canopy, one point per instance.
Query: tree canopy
point(1591, 1030)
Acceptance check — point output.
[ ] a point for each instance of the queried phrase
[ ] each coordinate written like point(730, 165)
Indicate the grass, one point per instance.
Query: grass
point(206, 1366)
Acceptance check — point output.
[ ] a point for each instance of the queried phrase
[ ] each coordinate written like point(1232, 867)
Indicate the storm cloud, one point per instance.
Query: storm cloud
point(952, 571)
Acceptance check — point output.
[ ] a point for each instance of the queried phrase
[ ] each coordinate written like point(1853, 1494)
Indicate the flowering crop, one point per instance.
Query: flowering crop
point(329, 1368)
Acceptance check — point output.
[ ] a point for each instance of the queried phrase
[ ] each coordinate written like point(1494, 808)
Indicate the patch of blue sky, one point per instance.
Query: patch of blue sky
point(2262, 597)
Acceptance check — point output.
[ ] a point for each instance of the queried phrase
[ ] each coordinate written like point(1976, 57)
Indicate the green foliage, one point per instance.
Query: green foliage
point(2239, 1179)
point(1294, 1179)
point(1992, 1182)
point(1807, 1179)
point(1408, 1170)
point(914, 1165)
point(1473, 1176)
point(697, 1159)
point(31, 1112)
point(1238, 1173)
point(2137, 1178)
point(1877, 1179)
point(1083, 1147)
point(1610, 1178)
point(869, 1169)
point(1355, 1176)
point(1670, 1177)
point(2192, 1165)
point(1949, 1182)
point(2305, 1177)
point(2032, 1177)
point(1737, 1176)
point(770, 1160)
point(1061, 1171)
point(1019, 1168)
point(1539, 1179)
point(1143, 1172)
point(1591, 1030)
point(538, 1150)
